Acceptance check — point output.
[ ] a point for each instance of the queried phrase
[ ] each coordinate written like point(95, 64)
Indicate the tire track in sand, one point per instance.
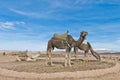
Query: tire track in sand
point(77, 74)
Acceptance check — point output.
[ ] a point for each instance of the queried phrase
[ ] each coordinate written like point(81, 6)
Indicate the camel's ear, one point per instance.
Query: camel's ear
point(81, 32)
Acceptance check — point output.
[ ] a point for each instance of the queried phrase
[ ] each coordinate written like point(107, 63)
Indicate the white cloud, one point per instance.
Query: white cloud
point(6, 25)
point(47, 14)
point(32, 14)
point(9, 24)
point(22, 12)
point(19, 22)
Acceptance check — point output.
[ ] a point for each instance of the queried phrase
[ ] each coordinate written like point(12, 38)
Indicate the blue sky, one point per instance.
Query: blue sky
point(29, 24)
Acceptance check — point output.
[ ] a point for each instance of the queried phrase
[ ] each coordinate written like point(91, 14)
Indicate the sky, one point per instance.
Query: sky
point(29, 24)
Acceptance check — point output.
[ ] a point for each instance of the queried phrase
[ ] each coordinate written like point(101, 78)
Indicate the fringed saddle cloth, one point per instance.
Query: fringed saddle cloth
point(60, 36)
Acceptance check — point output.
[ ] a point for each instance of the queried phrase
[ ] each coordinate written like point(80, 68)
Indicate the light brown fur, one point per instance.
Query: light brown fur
point(88, 47)
point(60, 44)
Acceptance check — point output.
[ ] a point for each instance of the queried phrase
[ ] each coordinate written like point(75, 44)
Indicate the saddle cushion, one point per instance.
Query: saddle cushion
point(60, 36)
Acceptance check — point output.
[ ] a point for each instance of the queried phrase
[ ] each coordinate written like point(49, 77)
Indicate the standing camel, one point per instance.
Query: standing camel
point(82, 44)
point(63, 41)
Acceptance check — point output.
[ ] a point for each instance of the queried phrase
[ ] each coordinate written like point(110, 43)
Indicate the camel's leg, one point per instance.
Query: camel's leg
point(47, 57)
point(76, 52)
point(85, 54)
point(66, 57)
point(97, 56)
point(69, 59)
point(50, 58)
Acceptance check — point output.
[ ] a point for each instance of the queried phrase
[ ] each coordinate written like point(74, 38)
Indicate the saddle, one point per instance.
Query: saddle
point(60, 36)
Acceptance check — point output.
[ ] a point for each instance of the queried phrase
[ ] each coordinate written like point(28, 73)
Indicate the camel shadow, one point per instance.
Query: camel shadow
point(58, 63)
point(74, 60)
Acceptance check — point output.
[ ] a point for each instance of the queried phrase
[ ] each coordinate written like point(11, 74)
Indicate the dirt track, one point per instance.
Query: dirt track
point(63, 75)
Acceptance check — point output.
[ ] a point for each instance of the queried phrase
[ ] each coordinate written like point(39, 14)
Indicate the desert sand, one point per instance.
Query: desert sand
point(85, 68)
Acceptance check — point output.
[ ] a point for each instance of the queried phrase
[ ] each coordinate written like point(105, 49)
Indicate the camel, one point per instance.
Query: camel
point(67, 42)
point(82, 44)
point(26, 56)
point(63, 41)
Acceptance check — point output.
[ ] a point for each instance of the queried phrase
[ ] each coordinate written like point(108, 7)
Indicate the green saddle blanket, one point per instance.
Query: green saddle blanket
point(60, 36)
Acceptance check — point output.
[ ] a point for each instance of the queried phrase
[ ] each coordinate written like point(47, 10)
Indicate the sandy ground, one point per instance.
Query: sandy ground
point(105, 71)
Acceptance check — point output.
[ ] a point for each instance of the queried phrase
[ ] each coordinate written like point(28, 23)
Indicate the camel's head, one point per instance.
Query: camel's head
point(83, 33)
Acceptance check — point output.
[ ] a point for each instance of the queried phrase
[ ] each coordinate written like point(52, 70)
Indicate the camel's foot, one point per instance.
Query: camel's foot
point(99, 59)
point(65, 64)
point(68, 65)
point(50, 64)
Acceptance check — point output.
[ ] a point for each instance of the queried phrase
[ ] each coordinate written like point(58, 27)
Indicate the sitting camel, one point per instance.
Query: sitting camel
point(26, 56)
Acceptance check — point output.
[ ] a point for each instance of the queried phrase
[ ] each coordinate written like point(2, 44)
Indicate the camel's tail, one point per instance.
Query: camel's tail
point(96, 55)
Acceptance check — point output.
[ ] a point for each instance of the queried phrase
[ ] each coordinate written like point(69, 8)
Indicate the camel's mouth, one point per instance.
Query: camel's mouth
point(83, 34)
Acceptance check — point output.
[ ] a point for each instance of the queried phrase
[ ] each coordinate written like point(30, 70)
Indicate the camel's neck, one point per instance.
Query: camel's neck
point(70, 40)
point(80, 40)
